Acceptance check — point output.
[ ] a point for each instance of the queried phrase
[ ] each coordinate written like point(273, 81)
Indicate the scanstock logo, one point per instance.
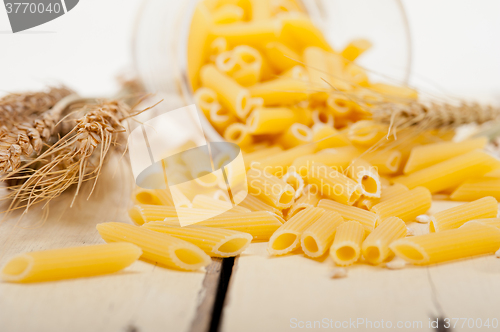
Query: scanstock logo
point(24, 15)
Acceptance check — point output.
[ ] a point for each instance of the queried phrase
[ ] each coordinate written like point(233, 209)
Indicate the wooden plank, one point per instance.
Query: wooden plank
point(281, 294)
point(144, 297)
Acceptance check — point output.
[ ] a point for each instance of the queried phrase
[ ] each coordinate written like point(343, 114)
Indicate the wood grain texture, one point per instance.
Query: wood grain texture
point(267, 294)
point(143, 297)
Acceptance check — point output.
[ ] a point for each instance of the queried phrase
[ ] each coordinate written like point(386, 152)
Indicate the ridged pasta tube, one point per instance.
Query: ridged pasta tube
point(318, 237)
point(406, 206)
point(346, 247)
point(376, 245)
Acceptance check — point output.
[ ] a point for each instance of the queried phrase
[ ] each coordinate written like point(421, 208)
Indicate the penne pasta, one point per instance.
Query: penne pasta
point(367, 219)
point(220, 118)
point(318, 237)
point(366, 132)
point(261, 225)
point(386, 193)
point(427, 155)
point(472, 239)
point(398, 93)
point(198, 43)
point(232, 96)
point(281, 57)
point(366, 176)
point(239, 134)
point(355, 48)
point(309, 198)
point(209, 203)
point(406, 206)
point(317, 67)
point(321, 117)
point(66, 263)
point(452, 172)
point(261, 10)
point(473, 189)
point(254, 204)
point(346, 247)
point(337, 158)
point(375, 248)
point(281, 91)
point(228, 14)
point(495, 222)
point(297, 134)
point(258, 155)
point(206, 99)
point(329, 137)
point(295, 180)
point(270, 189)
point(339, 105)
point(213, 241)
point(279, 163)
point(156, 247)
point(333, 184)
point(455, 217)
point(255, 34)
point(217, 47)
point(387, 162)
point(287, 237)
point(297, 29)
point(270, 120)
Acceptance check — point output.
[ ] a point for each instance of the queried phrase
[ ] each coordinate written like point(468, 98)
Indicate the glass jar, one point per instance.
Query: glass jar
point(162, 29)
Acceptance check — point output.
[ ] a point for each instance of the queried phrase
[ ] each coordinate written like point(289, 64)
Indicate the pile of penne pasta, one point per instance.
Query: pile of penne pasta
point(263, 73)
point(267, 80)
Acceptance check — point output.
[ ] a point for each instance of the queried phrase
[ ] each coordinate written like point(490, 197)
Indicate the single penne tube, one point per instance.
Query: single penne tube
point(198, 43)
point(255, 34)
point(270, 120)
point(337, 79)
point(145, 196)
point(261, 225)
point(339, 105)
point(295, 180)
point(355, 48)
point(281, 91)
point(239, 134)
point(210, 203)
point(257, 155)
point(455, 217)
point(423, 156)
point(406, 206)
point(270, 189)
point(356, 75)
point(346, 247)
point(328, 137)
point(279, 163)
point(337, 158)
point(221, 118)
point(287, 237)
point(217, 47)
point(296, 134)
point(366, 176)
point(318, 237)
point(333, 184)
point(321, 117)
point(281, 57)
point(452, 172)
point(375, 248)
point(309, 198)
point(206, 99)
point(254, 204)
point(394, 92)
point(228, 14)
point(231, 95)
point(366, 132)
point(156, 247)
point(367, 219)
point(298, 29)
point(473, 189)
point(495, 222)
point(213, 241)
point(66, 263)
point(386, 193)
point(317, 67)
point(471, 239)
point(387, 161)
point(141, 214)
point(261, 10)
